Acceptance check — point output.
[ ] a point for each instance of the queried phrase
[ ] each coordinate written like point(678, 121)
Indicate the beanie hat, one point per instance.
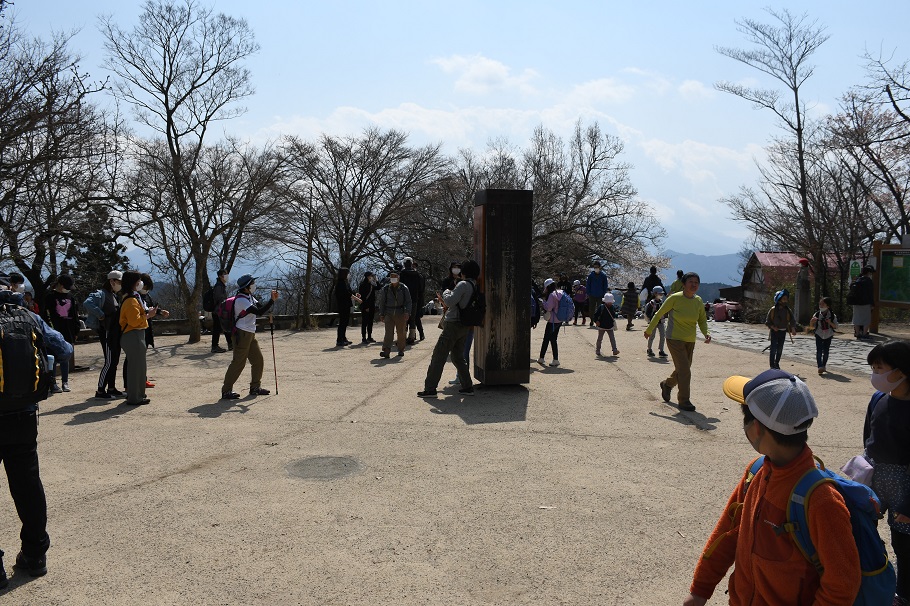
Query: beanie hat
point(779, 400)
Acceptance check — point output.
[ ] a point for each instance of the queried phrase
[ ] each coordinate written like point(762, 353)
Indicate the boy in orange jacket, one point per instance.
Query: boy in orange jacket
point(768, 567)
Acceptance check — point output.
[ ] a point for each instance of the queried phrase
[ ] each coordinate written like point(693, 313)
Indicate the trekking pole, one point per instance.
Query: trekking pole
point(274, 366)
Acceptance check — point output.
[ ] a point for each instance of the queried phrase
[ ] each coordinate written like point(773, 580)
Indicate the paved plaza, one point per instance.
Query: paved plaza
point(344, 488)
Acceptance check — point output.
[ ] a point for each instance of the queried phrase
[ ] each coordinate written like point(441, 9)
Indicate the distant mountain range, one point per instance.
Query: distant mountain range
point(723, 269)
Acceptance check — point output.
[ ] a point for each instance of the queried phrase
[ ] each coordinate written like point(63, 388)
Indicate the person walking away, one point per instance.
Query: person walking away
point(102, 309)
point(219, 291)
point(552, 295)
point(27, 380)
point(422, 303)
point(688, 312)
point(246, 309)
point(580, 297)
point(652, 281)
point(630, 304)
point(750, 535)
point(596, 286)
point(606, 323)
point(780, 322)
point(411, 278)
point(344, 298)
point(651, 308)
point(394, 305)
point(886, 433)
point(133, 323)
point(367, 292)
point(63, 314)
point(823, 323)
point(863, 302)
point(677, 285)
point(149, 303)
point(454, 334)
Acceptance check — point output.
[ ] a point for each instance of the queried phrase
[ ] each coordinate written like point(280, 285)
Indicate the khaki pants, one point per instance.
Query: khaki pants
point(393, 323)
point(681, 352)
point(246, 347)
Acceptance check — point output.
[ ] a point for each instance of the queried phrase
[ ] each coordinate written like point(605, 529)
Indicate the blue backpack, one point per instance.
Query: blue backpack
point(878, 577)
point(566, 308)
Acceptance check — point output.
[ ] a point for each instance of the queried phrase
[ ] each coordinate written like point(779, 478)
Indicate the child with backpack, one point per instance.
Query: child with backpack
point(754, 533)
point(886, 434)
point(823, 323)
point(657, 294)
point(558, 308)
point(779, 322)
point(630, 304)
point(580, 299)
point(605, 322)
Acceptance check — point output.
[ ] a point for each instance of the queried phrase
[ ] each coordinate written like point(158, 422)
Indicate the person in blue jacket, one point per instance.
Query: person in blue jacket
point(597, 286)
point(19, 452)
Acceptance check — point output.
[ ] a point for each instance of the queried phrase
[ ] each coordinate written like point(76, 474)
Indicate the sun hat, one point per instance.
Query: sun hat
point(245, 280)
point(657, 289)
point(547, 282)
point(608, 298)
point(576, 282)
point(115, 275)
point(779, 400)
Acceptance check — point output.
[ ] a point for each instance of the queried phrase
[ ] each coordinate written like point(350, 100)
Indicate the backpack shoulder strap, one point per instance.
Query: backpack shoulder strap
point(473, 290)
point(876, 397)
point(797, 515)
point(753, 469)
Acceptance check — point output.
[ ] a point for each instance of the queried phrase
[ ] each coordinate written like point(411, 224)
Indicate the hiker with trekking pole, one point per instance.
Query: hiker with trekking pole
point(238, 316)
point(780, 322)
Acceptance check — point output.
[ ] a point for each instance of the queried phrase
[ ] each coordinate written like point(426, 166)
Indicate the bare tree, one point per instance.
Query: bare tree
point(181, 69)
point(782, 51)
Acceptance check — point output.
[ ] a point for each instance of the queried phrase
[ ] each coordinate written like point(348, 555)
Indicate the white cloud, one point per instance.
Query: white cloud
point(693, 90)
point(598, 92)
point(481, 75)
point(654, 81)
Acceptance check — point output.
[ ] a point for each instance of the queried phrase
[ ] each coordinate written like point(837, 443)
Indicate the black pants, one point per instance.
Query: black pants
point(900, 542)
point(366, 325)
point(19, 451)
point(778, 338)
point(149, 336)
point(216, 332)
point(550, 334)
point(110, 345)
point(344, 318)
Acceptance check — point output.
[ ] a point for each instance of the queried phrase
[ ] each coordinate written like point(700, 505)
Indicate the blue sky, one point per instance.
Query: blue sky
point(465, 73)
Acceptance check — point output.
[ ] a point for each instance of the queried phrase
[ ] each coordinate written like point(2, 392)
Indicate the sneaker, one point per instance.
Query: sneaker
point(454, 381)
point(116, 393)
point(364, 341)
point(662, 354)
point(3, 580)
point(101, 395)
point(66, 387)
point(371, 339)
point(821, 371)
point(466, 391)
point(230, 347)
point(141, 402)
point(541, 361)
point(400, 354)
point(629, 327)
point(555, 362)
point(427, 393)
point(665, 391)
point(340, 343)
point(650, 353)
point(597, 353)
point(615, 352)
point(259, 391)
point(34, 566)
point(218, 349)
point(383, 354)
point(409, 341)
point(231, 395)
point(55, 388)
point(149, 384)
point(687, 406)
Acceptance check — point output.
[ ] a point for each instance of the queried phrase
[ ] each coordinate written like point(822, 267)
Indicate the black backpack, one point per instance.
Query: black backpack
point(24, 376)
point(853, 293)
point(208, 300)
point(472, 313)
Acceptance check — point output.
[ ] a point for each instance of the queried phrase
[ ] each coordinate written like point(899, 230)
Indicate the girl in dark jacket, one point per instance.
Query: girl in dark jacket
point(367, 292)
point(344, 297)
point(629, 304)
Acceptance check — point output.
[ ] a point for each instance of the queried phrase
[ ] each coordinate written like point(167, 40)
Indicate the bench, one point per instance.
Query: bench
point(327, 319)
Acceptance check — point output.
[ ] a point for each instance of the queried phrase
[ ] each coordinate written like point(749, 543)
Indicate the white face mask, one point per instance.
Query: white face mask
point(140, 285)
point(823, 308)
point(393, 280)
point(225, 278)
point(64, 290)
point(881, 383)
point(18, 288)
point(456, 271)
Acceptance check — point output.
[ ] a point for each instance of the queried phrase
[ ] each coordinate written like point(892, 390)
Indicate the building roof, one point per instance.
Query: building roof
point(777, 259)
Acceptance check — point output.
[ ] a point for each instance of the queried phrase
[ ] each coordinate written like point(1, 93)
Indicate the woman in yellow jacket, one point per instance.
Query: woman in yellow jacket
point(133, 322)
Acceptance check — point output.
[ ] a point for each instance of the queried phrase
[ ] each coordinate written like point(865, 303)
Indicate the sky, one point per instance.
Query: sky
point(462, 74)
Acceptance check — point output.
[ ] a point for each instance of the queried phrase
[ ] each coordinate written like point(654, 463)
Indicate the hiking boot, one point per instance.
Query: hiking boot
point(665, 391)
point(615, 352)
point(662, 354)
point(217, 349)
point(466, 391)
point(427, 393)
point(650, 353)
point(230, 395)
point(101, 395)
point(687, 406)
point(34, 566)
point(383, 354)
point(259, 391)
point(555, 362)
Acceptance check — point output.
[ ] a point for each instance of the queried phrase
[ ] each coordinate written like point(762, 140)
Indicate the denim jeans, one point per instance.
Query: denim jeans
point(778, 337)
point(822, 347)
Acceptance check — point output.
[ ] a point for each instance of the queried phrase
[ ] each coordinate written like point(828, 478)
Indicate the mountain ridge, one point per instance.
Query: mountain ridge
point(722, 269)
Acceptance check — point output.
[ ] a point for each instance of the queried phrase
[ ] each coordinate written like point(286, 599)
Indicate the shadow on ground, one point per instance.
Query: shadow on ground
point(490, 404)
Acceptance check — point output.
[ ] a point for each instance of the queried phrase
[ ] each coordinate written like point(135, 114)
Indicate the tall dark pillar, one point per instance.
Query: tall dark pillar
point(502, 247)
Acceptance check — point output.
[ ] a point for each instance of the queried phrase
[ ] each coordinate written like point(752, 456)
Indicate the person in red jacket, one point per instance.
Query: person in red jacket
point(768, 567)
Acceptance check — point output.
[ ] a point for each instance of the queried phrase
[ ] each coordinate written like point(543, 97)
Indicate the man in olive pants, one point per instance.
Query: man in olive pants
point(394, 303)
